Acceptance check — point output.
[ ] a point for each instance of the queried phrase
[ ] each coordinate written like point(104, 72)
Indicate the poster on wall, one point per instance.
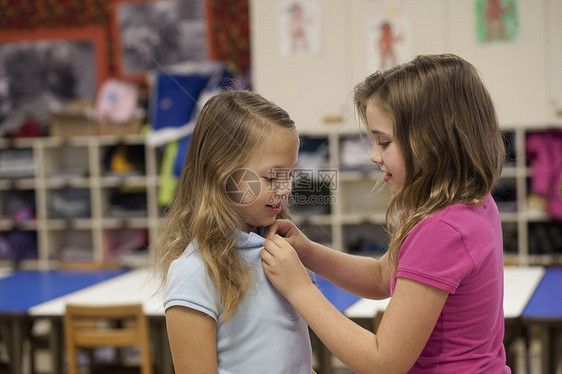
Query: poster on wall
point(42, 70)
point(389, 42)
point(496, 20)
point(299, 28)
point(152, 35)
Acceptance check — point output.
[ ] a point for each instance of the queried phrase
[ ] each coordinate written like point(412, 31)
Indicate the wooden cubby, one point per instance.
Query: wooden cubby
point(80, 208)
point(356, 219)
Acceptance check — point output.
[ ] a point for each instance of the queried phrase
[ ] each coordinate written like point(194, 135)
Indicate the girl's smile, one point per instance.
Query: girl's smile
point(386, 153)
point(273, 161)
point(274, 209)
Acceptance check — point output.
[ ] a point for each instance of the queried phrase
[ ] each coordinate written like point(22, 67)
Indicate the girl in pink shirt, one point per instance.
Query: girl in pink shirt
point(438, 144)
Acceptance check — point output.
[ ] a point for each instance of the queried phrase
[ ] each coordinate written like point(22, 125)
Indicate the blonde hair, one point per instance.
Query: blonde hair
point(446, 125)
point(227, 131)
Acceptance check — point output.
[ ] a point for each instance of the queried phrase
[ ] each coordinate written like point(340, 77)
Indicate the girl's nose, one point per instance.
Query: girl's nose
point(285, 188)
point(375, 156)
point(282, 185)
point(281, 192)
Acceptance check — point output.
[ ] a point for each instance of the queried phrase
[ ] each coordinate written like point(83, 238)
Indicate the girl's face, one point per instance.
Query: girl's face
point(385, 151)
point(272, 162)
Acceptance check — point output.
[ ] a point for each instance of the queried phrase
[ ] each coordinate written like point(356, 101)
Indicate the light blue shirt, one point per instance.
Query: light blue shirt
point(265, 335)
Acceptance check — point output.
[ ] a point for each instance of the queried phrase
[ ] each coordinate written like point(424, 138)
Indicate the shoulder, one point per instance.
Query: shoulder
point(189, 285)
point(187, 264)
point(438, 239)
point(450, 244)
point(466, 220)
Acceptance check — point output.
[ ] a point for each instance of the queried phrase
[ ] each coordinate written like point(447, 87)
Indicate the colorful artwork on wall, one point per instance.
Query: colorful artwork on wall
point(299, 28)
point(496, 20)
point(389, 42)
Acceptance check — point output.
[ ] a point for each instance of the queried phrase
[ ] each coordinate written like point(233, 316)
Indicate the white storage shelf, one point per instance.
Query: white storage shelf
point(73, 212)
point(94, 228)
point(357, 218)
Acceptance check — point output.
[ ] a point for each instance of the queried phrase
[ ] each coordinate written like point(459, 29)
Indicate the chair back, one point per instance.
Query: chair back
point(88, 265)
point(88, 326)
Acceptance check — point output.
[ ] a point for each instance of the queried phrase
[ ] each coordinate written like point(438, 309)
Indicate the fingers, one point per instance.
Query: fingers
point(278, 240)
point(266, 257)
point(280, 227)
point(273, 249)
point(268, 252)
point(273, 244)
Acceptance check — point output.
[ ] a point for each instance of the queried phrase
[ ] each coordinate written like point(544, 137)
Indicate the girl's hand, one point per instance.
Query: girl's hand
point(283, 267)
point(293, 236)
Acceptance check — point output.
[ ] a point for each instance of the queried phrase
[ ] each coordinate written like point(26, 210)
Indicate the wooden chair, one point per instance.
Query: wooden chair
point(117, 326)
point(88, 265)
point(41, 328)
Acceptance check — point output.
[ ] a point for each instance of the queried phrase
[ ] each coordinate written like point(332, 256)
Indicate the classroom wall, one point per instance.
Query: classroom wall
point(524, 75)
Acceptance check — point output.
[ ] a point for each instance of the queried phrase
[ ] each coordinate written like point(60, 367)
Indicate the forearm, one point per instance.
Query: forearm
point(359, 275)
point(355, 346)
point(408, 320)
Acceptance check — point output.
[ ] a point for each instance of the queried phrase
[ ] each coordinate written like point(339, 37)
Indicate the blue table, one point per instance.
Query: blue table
point(339, 298)
point(546, 302)
point(25, 289)
point(545, 310)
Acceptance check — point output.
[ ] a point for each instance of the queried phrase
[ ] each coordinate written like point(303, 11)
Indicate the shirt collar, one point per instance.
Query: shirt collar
point(250, 240)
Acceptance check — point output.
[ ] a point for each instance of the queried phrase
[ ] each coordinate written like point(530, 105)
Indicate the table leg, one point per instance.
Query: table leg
point(8, 339)
point(513, 340)
point(545, 343)
point(163, 356)
point(13, 331)
point(56, 345)
point(557, 352)
point(323, 355)
point(550, 349)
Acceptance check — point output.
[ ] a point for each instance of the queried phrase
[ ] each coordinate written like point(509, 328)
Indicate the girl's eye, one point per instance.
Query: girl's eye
point(384, 145)
point(283, 175)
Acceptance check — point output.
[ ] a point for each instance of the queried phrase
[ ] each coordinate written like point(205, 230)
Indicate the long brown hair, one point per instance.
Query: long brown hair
point(446, 128)
point(227, 131)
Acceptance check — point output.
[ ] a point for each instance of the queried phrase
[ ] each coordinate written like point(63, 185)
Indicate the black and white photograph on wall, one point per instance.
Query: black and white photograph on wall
point(154, 35)
point(40, 72)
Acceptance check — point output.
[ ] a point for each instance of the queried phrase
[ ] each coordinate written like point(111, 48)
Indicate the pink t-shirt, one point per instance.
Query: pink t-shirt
point(459, 250)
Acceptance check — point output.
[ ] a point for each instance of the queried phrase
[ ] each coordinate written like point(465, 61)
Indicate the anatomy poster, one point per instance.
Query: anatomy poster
point(389, 42)
point(496, 20)
point(299, 28)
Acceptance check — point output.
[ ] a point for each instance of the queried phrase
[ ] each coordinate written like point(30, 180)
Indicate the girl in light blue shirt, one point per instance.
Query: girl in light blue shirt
point(222, 314)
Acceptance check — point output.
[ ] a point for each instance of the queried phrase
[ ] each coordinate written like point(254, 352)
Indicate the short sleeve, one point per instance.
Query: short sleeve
point(188, 285)
point(434, 253)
